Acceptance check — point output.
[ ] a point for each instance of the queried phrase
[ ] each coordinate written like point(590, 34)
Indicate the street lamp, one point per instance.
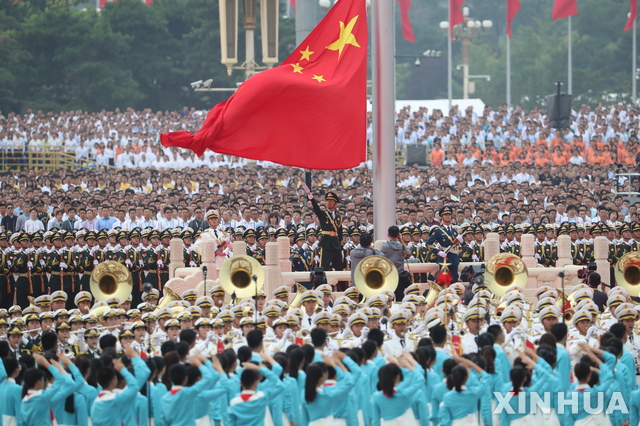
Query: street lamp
point(464, 32)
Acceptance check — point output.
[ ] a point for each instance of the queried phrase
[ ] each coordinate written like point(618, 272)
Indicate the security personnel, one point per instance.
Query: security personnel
point(331, 234)
point(443, 238)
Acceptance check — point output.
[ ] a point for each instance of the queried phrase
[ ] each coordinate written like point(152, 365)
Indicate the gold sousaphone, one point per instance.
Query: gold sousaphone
point(375, 274)
point(111, 279)
point(504, 271)
point(237, 276)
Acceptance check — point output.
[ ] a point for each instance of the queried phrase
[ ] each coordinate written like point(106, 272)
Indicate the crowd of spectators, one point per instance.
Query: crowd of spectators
point(167, 187)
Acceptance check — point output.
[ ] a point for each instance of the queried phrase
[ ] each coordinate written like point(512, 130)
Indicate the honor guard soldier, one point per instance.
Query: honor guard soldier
point(5, 282)
point(84, 260)
point(135, 265)
point(152, 260)
point(300, 258)
point(20, 268)
point(466, 250)
point(68, 267)
point(37, 267)
point(331, 234)
point(259, 253)
point(444, 242)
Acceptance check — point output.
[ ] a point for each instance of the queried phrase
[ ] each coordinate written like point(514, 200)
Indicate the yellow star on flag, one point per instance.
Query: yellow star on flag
point(346, 37)
point(297, 68)
point(306, 54)
point(319, 78)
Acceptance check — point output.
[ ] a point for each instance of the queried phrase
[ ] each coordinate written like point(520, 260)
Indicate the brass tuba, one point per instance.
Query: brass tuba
point(504, 271)
point(237, 276)
point(295, 303)
point(375, 274)
point(111, 279)
point(627, 273)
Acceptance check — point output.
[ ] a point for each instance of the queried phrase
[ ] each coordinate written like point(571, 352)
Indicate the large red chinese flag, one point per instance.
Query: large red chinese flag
point(455, 15)
point(309, 112)
point(564, 9)
point(513, 6)
point(633, 12)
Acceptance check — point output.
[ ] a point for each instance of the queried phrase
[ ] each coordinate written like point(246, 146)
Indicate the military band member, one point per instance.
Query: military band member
point(444, 242)
point(474, 321)
point(89, 348)
point(331, 234)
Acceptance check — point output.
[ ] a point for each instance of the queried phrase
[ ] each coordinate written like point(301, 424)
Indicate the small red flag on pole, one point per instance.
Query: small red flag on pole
point(564, 9)
point(513, 6)
point(455, 15)
point(407, 28)
point(633, 12)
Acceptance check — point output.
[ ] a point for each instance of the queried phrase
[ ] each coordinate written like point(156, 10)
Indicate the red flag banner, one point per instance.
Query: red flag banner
point(407, 28)
point(564, 9)
point(513, 6)
point(455, 15)
point(633, 12)
point(309, 112)
point(457, 344)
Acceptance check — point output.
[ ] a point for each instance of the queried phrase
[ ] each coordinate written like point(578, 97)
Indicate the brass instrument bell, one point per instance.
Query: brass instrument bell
point(503, 271)
point(375, 274)
point(236, 276)
point(111, 279)
point(627, 273)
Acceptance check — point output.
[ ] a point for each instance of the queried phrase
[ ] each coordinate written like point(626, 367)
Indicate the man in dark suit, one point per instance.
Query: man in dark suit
point(331, 231)
point(599, 297)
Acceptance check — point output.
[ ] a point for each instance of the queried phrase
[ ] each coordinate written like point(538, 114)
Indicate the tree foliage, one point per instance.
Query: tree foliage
point(56, 55)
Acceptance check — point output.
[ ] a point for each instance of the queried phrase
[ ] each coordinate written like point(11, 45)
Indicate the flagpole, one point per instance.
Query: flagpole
point(383, 69)
point(570, 66)
point(634, 63)
point(508, 71)
point(449, 62)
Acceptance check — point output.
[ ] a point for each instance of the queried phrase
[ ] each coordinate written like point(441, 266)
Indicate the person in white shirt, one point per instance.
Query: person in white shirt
point(33, 224)
point(167, 221)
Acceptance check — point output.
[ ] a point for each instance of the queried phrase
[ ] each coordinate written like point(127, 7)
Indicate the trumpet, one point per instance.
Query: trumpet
point(303, 334)
point(228, 338)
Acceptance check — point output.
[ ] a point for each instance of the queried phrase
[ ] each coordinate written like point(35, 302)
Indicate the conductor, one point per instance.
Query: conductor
point(331, 234)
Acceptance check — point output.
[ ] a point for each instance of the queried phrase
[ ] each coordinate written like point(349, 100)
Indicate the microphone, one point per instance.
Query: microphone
point(254, 277)
point(204, 270)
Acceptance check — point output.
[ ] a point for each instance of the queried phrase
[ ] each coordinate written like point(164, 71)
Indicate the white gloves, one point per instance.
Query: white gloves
point(287, 333)
point(460, 239)
point(345, 333)
point(590, 331)
point(193, 264)
point(96, 263)
point(128, 263)
point(42, 263)
point(365, 333)
point(30, 264)
point(305, 246)
point(63, 265)
point(210, 336)
point(160, 264)
point(442, 254)
point(141, 263)
point(475, 258)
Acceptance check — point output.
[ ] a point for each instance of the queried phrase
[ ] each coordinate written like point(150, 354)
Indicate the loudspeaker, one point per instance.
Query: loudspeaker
point(416, 154)
point(559, 108)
